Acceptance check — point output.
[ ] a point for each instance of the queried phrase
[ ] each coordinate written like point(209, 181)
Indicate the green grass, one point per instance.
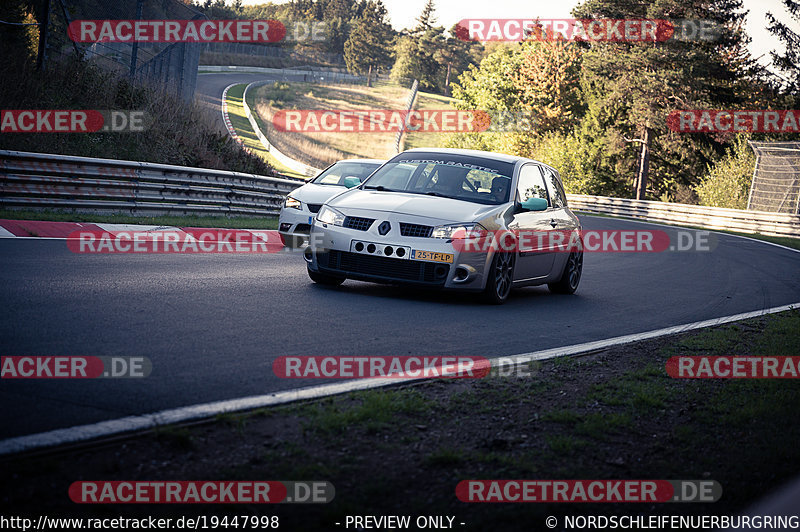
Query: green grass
point(641, 391)
point(564, 444)
point(245, 131)
point(374, 409)
point(176, 436)
point(181, 133)
point(176, 221)
point(428, 101)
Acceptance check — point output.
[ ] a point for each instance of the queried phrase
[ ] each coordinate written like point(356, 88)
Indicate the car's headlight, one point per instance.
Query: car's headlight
point(456, 230)
point(292, 203)
point(327, 215)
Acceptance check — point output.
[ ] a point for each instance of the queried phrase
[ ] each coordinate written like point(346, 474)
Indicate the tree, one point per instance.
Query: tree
point(369, 45)
point(426, 20)
point(789, 61)
point(548, 83)
point(630, 88)
point(455, 56)
point(416, 52)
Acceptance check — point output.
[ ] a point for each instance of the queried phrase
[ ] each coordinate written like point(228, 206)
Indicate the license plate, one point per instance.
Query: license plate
point(433, 256)
point(310, 220)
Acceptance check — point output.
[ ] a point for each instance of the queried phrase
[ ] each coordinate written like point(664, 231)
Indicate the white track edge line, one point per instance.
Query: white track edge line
point(177, 415)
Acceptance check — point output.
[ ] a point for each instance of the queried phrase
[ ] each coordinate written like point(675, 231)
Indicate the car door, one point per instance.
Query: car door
point(532, 261)
point(567, 224)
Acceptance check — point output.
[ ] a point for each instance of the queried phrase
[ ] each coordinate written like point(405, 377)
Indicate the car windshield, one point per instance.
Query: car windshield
point(335, 174)
point(465, 178)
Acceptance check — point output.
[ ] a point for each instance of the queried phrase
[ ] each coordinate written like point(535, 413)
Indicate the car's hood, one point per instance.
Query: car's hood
point(432, 207)
point(313, 193)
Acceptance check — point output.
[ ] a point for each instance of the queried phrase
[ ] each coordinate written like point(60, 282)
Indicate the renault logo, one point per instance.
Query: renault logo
point(384, 228)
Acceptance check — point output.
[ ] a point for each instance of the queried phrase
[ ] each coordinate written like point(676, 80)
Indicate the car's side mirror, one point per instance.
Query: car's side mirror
point(534, 204)
point(351, 181)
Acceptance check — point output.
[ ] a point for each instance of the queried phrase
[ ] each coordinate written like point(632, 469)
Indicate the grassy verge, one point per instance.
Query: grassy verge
point(179, 133)
point(787, 241)
point(423, 139)
point(175, 221)
point(245, 131)
point(321, 149)
point(609, 415)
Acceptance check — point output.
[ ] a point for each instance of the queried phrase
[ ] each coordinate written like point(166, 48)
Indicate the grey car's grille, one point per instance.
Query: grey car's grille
point(314, 207)
point(416, 230)
point(359, 224)
point(384, 267)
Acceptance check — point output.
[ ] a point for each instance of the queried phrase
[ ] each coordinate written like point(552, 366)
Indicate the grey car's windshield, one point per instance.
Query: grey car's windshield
point(463, 179)
point(335, 174)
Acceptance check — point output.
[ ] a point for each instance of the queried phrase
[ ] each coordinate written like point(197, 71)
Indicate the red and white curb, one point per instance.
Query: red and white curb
point(62, 230)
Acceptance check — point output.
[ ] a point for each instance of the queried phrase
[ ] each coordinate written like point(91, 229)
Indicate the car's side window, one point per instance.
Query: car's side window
point(531, 183)
point(556, 189)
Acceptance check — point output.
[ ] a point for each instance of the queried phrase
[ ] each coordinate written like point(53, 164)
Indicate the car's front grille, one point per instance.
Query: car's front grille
point(302, 228)
point(314, 207)
point(387, 268)
point(423, 231)
point(359, 224)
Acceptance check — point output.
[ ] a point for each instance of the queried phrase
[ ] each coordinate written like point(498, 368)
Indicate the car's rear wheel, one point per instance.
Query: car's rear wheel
point(501, 276)
point(571, 276)
point(325, 279)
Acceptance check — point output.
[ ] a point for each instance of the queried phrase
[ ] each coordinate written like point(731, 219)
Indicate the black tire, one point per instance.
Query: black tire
point(500, 279)
point(324, 279)
point(571, 276)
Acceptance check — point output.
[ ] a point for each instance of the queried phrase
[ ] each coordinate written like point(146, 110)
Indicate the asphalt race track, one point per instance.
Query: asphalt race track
point(208, 91)
point(213, 324)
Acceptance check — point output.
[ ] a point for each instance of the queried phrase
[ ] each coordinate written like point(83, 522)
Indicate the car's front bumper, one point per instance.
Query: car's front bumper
point(294, 225)
point(333, 250)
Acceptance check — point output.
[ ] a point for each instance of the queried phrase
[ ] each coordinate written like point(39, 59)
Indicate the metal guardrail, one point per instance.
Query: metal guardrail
point(39, 180)
point(293, 164)
point(765, 223)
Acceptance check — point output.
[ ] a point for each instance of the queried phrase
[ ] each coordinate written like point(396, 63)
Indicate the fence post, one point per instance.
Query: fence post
point(41, 58)
point(135, 46)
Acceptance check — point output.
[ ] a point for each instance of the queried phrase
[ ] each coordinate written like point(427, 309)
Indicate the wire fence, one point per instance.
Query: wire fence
point(776, 180)
point(170, 65)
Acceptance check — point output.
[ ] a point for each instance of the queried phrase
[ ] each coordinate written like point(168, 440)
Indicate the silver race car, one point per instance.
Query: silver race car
point(453, 219)
point(304, 202)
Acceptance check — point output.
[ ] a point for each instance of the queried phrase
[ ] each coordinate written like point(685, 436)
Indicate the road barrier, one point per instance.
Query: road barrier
point(38, 180)
point(765, 223)
point(293, 164)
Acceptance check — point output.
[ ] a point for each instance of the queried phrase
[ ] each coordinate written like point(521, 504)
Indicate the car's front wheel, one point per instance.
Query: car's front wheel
point(571, 276)
point(325, 279)
point(501, 276)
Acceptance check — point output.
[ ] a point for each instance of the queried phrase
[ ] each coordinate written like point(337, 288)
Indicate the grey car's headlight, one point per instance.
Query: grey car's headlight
point(327, 215)
point(292, 203)
point(456, 230)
